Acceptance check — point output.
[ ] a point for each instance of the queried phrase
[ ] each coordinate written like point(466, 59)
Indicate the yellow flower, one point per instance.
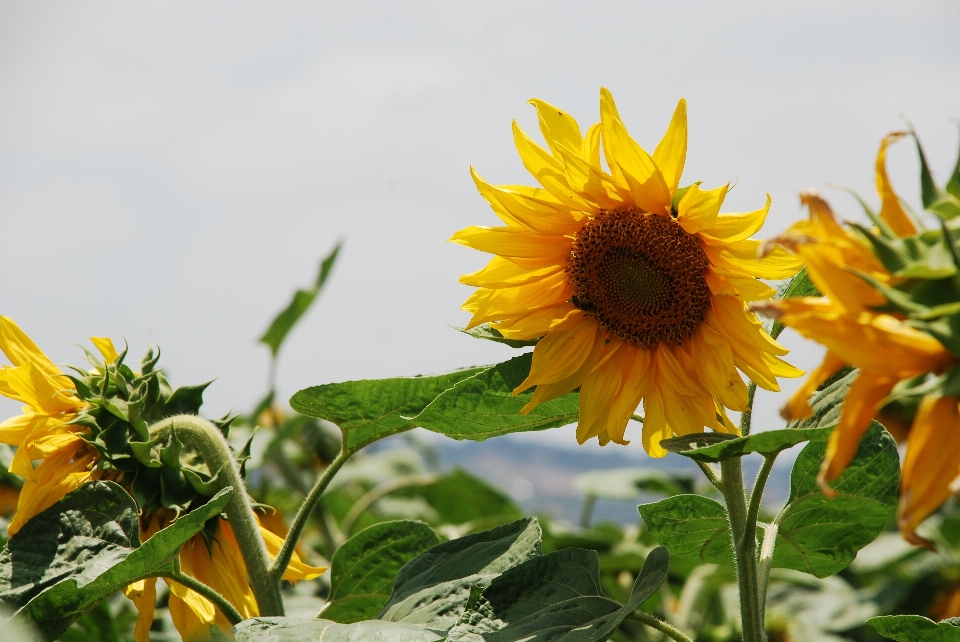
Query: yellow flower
point(882, 346)
point(635, 288)
point(219, 566)
point(43, 431)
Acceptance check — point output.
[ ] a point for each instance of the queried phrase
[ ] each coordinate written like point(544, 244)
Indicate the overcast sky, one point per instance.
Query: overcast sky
point(172, 172)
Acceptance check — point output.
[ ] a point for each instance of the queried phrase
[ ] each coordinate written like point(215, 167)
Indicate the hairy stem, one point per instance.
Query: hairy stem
point(746, 417)
point(757, 493)
point(199, 587)
point(766, 559)
point(710, 473)
point(306, 508)
point(213, 448)
point(744, 550)
point(656, 623)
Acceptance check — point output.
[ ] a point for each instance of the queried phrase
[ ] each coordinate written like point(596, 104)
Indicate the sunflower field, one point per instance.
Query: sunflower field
point(639, 310)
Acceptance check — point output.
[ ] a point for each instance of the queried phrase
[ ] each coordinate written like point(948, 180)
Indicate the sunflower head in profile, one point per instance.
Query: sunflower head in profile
point(634, 287)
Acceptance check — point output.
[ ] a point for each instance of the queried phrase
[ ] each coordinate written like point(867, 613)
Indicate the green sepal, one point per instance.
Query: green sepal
point(490, 333)
point(875, 218)
point(207, 488)
point(922, 256)
point(678, 196)
point(145, 453)
point(929, 191)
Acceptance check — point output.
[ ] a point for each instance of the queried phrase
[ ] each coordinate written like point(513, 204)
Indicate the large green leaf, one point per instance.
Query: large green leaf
point(484, 405)
point(765, 443)
point(556, 598)
point(821, 535)
point(363, 569)
point(827, 403)
point(914, 628)
point(433, 589)
point(92, 558)
point(282, 629)
point(301, 302)
point(459, 498)
point(369, 410)
point(691, 527)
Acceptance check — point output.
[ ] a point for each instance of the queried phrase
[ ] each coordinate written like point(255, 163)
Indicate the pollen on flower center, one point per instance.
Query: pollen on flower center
point(640, 275)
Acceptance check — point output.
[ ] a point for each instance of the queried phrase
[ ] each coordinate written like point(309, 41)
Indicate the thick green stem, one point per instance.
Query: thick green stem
point(306, 508)
point(664, 627)
point(766, 559)
point(756, 494)
point(746, 417)
point(213, 448)
point(744, 550)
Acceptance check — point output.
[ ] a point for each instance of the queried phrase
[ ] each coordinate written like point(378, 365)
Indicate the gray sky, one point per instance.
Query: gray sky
point(173, 172)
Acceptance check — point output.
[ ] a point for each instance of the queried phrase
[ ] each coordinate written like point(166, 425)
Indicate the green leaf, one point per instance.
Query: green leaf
point(363, 569)
point(488, 332)
point(827, 403)
point(953, 185)
point(282, 629)
point(484, 405)
point(373, 409)
point(459, 498)
point(302, 300)
point(78, 537)
point(929, 191)
point(628, 483)
point(800, 285)
point(433, 589)
point(691, 527)
point(765, 443)
point(820, 535)
point(556, 598)
point(914, 628)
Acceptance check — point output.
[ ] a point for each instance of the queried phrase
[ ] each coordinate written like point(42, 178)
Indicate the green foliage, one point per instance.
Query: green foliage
point(302, 300)
point(821, 535)
point(691, 527)
point(490, 333)
point(280, 629)
point(764, 443)
point(914, 628)
point(468, 404)
point(363, 569)
point(556, 597)
point(627, 483)
point(800, 285)
point(460, 498)
point(72, 556)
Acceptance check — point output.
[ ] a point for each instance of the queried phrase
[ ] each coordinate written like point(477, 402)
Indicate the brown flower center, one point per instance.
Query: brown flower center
point(640, 275)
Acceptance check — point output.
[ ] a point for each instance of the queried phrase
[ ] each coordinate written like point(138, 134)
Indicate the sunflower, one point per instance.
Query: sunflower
point(44, 432)
point(635, 288)
point(884, 348)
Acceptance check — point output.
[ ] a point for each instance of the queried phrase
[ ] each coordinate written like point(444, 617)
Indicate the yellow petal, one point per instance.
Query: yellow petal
point(655, 428)
point(21, 350)
point(641, 174)
point(590, 181)
point(106, 348)
point(560, 354)
point(548, 171)
point(744, 288)
point(17, 429)
point(511, 302)
point(591, 145)
point(740, 325)
point(742, 257)
point(698, 208)
point(297, 569)
point(671, 153)
point(798, 407)
point(503, 273)
point(930, 464)
point(549, 391)
point(529, 208)
point(53, 479)
point(712, 357)
point(557, 127)
point(535, 324)
point(728, 228)
point(508, 241)
point(144, 597)
point(46, 394)
point(598, 390)
point(860, 406)
point(891, 211)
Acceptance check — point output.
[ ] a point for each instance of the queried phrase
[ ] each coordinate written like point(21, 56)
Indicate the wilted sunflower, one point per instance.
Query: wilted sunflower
point(44, 432)
point(634, 288)
point(881, 344)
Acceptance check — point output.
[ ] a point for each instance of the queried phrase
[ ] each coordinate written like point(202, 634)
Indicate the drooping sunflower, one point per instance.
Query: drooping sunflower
point(635, 288)
point(48, 431)
point(849, 320)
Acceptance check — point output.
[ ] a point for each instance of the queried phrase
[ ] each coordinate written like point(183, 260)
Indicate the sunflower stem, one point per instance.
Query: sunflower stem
point(656, 623)
point(746, 417)
point(216, 454)
point(711, 474)
point(195, 585)
point(744, 549)
point(303, 515)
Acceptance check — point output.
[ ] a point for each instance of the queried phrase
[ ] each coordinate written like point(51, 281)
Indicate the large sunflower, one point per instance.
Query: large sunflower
point(635, 289)
point(884, 348)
